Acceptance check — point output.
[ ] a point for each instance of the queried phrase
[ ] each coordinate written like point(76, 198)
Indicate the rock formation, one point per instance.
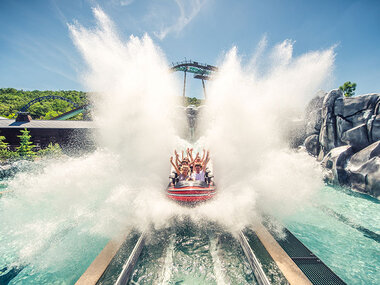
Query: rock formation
point(344, 134)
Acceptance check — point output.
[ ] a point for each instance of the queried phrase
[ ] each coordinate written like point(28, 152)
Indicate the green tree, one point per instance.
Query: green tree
point(26, 146)
point(3, 144)
point(348, 88)
point(50, 114)
point(5, 153)
point(12, 100)
point(193, 101)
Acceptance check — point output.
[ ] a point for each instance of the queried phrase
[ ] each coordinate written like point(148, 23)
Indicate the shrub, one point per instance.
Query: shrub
point(3, 144)
point(348, 88)
point(6, 154)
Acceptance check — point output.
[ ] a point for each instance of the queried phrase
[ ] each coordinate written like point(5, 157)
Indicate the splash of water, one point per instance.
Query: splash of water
point(122, 184)
point(250, 108)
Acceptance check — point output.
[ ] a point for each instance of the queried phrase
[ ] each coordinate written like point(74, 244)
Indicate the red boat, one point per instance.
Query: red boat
point(191, 192)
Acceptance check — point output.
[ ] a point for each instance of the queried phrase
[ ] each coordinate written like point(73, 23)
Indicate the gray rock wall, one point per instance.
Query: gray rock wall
point(344, 134)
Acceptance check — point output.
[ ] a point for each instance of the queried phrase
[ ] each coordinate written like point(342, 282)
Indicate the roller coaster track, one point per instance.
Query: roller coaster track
point(78, 109)
point(200, 70)
point(49, 97)
point(72, 113)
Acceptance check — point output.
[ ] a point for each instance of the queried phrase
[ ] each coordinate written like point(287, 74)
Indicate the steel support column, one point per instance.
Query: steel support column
point(184, 85)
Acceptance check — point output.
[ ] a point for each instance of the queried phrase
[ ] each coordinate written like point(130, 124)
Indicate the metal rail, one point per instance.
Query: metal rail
point(201, 71)
point(71, 113)
point(258, 271)
point(130, 264)
point(187, 63)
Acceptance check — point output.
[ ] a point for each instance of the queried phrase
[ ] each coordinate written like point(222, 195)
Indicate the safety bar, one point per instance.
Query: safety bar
point(130, 264)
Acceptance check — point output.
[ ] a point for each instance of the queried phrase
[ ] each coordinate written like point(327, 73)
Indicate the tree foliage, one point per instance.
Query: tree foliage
point(193, 101)
point(3, 144)
point(8, 155)
point(348, 88)
point(25, 150)
point(5, 153)
point(12, 100)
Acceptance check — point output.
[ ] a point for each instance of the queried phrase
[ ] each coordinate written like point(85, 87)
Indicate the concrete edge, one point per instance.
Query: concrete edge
point(100, 263)
point(291, 271)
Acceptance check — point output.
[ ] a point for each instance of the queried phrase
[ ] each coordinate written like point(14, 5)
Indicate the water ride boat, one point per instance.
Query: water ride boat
point(191, 192)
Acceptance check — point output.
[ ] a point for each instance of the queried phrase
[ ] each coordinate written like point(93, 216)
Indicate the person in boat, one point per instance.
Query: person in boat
point(192, 159)
point(197, 157)
point(183, 171)
point(177, 160)
point(189, 152)
point(185, 174)
point(200, 167)
point(183, 161)
point(198, 173)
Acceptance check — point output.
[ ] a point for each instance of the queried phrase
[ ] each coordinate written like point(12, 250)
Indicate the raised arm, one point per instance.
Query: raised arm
point(204, 153)
point(207, 159)
point(190, 154)
point(177, 161)
point(175, 167)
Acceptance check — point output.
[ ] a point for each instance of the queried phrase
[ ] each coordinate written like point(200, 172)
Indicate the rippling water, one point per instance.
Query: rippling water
point(342, 228)
point(193, 254)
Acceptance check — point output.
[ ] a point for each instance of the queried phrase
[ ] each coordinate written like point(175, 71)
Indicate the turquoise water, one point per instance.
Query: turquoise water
point(39, 245)
point(191, 253)
point(343, 229)
point(40, 241)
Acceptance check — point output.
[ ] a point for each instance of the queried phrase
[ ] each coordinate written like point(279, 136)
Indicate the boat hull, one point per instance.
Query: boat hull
point(191, 194)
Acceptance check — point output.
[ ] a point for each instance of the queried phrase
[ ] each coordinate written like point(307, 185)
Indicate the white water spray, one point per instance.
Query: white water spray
point(122, 184)
point(246, 125)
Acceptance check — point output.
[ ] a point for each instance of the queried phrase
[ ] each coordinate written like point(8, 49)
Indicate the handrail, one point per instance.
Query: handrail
point(195, 64)
point(129, 265)
point(258, 271)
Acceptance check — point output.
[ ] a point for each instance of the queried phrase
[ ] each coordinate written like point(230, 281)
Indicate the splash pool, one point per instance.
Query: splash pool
point(340, 227)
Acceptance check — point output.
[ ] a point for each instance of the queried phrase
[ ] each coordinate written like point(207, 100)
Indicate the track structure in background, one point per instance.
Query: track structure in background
point(200, 70)
point(77, 109)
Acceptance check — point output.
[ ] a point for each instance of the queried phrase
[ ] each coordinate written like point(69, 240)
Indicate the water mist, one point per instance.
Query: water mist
point(121, 185)
point(249, 110)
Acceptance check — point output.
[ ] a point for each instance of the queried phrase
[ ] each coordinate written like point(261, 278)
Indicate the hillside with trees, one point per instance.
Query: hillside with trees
point(12, 100)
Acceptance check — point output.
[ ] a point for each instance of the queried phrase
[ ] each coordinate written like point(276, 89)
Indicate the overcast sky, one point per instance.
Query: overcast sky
point(36, 51)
